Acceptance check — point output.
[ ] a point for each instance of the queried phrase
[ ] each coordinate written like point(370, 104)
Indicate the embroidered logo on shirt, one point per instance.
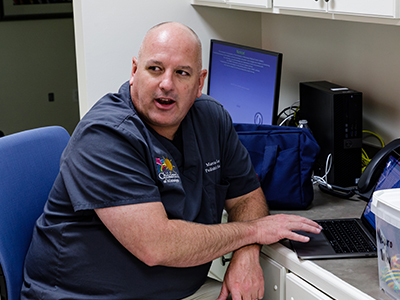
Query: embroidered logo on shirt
point(212, 166)
point(166, 171)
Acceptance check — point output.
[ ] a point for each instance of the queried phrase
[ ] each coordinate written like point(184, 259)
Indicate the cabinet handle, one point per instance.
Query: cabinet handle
point(225, 260)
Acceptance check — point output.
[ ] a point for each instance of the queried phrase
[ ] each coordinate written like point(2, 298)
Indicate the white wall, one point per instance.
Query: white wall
point(364, 57)
point(109, 32)
point(37, 57)
point(358, 55)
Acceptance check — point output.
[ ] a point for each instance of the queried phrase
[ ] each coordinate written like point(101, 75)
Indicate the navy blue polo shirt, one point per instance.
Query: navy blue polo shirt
point(113, 159)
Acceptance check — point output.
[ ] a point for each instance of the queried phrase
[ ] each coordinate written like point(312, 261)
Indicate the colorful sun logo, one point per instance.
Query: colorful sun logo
point(166, 172)
point(163, 164)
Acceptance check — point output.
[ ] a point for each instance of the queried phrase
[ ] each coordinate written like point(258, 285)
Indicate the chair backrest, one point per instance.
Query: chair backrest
point(29, 164)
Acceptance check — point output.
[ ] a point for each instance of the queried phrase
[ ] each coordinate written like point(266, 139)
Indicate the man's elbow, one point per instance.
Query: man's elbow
point(150, 257)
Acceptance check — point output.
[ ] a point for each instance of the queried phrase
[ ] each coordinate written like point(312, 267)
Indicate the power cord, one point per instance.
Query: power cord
point(289, 113)
point(365, 160)
point(324, 179)
point(328, 188)
point(285, 120)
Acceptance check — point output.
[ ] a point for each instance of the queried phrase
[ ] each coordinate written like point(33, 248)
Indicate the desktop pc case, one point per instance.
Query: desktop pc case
point(334, 115)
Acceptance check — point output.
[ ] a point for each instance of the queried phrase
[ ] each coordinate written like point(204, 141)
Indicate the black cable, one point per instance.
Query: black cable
point(338, 191)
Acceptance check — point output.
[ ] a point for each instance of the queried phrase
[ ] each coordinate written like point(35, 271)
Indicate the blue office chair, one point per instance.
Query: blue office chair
point(29, 164)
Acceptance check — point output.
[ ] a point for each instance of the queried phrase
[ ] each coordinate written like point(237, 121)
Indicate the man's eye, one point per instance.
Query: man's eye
point(154, 68)
point(183, 73)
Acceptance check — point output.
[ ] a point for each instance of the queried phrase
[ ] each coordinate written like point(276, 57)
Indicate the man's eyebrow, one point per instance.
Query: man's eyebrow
point(159, 63)
point(187, 68)
point(154, 62)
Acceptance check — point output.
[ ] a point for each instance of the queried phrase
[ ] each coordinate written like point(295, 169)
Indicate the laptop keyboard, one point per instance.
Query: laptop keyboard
point(346, 236)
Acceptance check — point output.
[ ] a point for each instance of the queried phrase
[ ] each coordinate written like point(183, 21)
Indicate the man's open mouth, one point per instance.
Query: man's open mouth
point(165, 101)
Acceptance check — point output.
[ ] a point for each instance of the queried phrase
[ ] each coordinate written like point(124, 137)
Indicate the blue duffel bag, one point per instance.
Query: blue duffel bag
point(283, 158)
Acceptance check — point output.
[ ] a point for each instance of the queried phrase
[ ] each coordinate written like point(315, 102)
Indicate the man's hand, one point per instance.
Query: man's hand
point(273, 228)
point(244, 278)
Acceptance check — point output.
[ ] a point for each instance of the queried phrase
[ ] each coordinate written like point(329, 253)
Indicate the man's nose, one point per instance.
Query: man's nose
point(167, 82)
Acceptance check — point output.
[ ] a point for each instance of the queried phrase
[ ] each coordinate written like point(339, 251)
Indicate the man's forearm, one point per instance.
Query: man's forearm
point(146, 231)
point(210, 242)
point(185, 244)
point(196, 244)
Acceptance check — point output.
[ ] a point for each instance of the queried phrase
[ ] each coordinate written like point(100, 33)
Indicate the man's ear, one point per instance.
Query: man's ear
point(202, 78)
point(134, 69)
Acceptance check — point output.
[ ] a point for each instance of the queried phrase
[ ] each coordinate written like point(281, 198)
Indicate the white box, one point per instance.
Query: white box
point(386, 207)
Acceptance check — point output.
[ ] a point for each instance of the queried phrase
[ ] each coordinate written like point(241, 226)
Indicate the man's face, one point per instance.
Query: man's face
point(166, 79)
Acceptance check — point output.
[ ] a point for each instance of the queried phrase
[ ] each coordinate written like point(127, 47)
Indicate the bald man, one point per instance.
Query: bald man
point(135, 210)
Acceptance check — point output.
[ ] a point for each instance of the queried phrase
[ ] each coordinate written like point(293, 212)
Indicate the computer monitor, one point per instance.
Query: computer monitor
point(246, 81)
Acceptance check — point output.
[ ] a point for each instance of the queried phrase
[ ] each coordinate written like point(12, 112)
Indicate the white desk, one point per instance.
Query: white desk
point(289, 278)
point(323, 279)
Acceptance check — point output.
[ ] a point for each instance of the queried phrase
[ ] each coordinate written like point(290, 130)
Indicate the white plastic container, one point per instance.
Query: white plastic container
point(386, 207)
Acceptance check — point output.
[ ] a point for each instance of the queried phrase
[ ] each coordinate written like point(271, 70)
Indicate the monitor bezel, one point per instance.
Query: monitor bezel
point(278, 73)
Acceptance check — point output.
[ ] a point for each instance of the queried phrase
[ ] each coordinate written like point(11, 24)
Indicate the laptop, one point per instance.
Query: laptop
point(359, 233)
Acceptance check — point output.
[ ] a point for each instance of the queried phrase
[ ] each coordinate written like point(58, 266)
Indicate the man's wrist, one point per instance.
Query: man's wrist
point(251, 251)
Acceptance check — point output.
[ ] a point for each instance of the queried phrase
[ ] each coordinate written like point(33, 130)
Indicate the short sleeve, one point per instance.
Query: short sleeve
point(107, 166)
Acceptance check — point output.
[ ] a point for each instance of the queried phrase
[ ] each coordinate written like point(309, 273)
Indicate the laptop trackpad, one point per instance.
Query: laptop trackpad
point(318, 245)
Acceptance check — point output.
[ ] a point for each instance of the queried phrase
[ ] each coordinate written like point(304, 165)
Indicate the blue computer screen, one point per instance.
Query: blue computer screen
point(389, 179)
point(246, 81)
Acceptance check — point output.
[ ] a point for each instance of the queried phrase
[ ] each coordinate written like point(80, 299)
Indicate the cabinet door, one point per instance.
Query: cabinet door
point(298, 289)
point(274, 278)
point(385, 8)
point(313, 5)
point(260, 3)
point(219, 1)
point(218, 267)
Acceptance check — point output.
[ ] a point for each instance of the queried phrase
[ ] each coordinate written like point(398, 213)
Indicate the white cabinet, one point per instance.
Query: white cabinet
point(383, 8)
point(238, 4)
point(311, 5)
point(219, 266)
point(298, 289)
point(218, 1)
point(260, 3)
point(274, 278)
point(370, 11)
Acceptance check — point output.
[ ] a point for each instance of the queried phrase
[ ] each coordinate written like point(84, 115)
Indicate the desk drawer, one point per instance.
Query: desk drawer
point(298, 289)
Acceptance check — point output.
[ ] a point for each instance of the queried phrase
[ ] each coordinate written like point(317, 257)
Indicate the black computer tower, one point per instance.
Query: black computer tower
point(334, 115)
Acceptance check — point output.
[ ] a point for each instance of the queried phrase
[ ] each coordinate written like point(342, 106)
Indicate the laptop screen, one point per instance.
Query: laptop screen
point(390, 178)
